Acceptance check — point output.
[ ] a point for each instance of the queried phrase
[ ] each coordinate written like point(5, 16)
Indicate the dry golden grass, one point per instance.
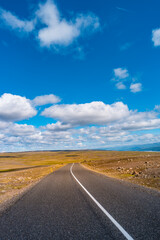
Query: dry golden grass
point(138, 167)
point(12, 182)
point(11, 161)
point(18, 170)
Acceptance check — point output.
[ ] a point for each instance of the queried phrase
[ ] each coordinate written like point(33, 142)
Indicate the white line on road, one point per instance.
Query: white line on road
point(121, 229)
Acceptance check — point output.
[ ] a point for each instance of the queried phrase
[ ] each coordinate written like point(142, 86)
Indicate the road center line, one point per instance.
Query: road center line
point(121, 229)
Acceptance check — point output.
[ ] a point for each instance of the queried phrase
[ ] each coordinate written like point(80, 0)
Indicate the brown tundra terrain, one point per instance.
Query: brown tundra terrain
point(20, 170)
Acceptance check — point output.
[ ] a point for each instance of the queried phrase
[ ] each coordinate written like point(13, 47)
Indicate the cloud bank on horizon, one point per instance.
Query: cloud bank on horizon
point(74, 125)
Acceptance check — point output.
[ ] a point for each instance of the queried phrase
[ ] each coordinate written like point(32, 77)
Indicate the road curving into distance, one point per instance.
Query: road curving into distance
point(76, 203)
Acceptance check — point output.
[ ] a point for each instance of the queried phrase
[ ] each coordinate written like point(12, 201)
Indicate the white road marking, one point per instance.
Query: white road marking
point(121, 229)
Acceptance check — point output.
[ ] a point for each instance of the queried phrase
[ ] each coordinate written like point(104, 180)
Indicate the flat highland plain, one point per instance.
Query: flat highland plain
point(19, 170)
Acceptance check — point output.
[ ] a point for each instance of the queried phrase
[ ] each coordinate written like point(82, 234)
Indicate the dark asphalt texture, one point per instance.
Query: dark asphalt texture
point(58, 208)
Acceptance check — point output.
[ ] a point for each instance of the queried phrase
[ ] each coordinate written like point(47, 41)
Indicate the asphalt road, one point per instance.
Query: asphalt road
point(58, 208)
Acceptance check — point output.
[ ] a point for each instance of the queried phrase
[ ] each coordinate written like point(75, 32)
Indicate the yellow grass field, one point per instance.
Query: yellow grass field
point(18, 170)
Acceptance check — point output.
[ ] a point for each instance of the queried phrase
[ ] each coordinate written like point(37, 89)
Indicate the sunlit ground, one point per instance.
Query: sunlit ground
point(18, 170)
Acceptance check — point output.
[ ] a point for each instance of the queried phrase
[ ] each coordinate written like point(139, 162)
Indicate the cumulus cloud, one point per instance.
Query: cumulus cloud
point(4, 124)
point(136, 87)
point(120, 85)
point(157, 108)
point(88, 113)
point(14, 22)
point(58, 126)
point(61, 135)
point(156, 37)
point(15, 108)
point(21, 130)
point(121, 73)
point(59, 31)
point(50, 27)
point(142, 124)
point(45, 99)
point(88, 125)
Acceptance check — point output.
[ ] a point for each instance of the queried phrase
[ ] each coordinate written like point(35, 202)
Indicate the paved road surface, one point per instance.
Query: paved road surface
point(58, 208)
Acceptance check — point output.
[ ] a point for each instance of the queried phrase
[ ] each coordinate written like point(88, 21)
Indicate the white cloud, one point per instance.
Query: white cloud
point(50, 28)
point(156, 37)
point(45, 99)
point(157, 108)
point(80, 144)
point(116, 125)
point(95, 137)
point(15, 108)
point(136, 87)
point(66, 136)
point(14, 22)
point(121, 73)
point(120, 86)
point(58, 30)
point(58, 126)
point(21, 130)
point(4, 124)
point(88, 113)
point(142, 124)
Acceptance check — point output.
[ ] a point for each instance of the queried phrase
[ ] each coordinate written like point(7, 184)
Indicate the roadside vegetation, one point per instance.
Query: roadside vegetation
point(138, 167)
point(19, 170)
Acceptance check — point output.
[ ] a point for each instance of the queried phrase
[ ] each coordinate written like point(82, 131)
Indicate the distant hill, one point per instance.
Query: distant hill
point(147, 147)
point(144, 147)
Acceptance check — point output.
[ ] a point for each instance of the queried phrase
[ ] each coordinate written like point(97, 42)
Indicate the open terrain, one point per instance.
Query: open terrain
point(18, 170)
point(138, 167)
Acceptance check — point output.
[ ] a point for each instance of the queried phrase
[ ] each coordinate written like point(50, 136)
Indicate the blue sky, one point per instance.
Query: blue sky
point(79, 74)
